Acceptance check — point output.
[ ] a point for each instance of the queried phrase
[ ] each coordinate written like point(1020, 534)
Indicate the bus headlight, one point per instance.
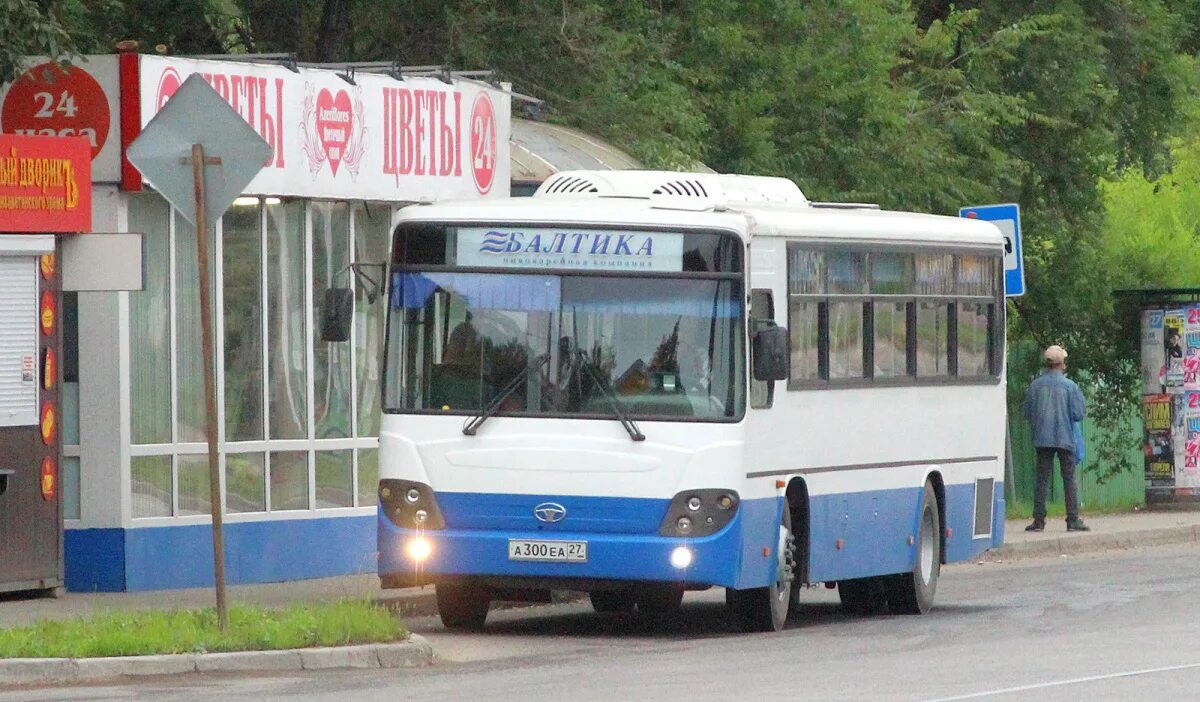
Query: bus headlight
point(699, 512)
point(419, 549)
point(681, 557)
point(410, 505)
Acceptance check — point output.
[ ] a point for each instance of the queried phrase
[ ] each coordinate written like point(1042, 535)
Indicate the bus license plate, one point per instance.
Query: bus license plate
point(558, 551)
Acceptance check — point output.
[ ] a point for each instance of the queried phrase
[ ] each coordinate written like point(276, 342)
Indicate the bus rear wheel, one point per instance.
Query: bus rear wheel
point(766, 608)
point(462, 605)
point(912, 593)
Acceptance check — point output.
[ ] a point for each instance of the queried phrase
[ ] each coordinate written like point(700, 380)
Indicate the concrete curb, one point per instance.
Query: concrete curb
point(414, 652)
point(1093, 542)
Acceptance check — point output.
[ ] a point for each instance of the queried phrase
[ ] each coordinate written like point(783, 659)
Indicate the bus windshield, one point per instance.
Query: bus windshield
point(564, 345)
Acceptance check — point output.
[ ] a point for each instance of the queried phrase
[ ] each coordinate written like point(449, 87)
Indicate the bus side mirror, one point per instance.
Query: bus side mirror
point(336, 314)
point(769, 353)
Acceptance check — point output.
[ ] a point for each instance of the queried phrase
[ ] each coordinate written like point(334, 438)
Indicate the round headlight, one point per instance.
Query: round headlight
point(693, 503)
point(420, 516)
point(419, 549)
point(385, 493)
point(684, 525)
point(724, 501)
point(412, 495)
point(681, 557)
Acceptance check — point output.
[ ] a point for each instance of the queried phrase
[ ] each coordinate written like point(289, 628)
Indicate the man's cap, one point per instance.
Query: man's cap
point(1055, 354)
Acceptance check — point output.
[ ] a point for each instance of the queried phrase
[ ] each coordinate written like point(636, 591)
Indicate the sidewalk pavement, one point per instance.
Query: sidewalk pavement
point(1140, 529)
point(1109, 531)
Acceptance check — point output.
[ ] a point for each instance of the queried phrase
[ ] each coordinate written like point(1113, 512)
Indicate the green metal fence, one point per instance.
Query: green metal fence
point(1124, 491)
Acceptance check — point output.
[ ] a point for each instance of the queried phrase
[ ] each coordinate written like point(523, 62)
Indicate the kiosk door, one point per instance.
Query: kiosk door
point(30, 512)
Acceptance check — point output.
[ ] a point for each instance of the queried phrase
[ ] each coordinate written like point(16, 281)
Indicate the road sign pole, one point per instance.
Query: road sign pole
point(197, 121)
point(210, 395)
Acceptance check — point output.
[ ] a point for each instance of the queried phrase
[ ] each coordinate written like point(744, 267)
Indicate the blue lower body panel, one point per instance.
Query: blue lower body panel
point(857, 535)
point(852, 535)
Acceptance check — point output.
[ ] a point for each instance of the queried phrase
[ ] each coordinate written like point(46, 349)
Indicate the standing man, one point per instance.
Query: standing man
point(1053, 404)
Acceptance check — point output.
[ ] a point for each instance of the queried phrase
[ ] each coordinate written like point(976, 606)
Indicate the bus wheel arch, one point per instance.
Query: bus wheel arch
point(798, 503)
point(913, 592)
point(935, 480)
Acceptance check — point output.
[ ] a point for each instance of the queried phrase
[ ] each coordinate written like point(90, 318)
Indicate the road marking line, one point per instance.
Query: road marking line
point(1059, 683)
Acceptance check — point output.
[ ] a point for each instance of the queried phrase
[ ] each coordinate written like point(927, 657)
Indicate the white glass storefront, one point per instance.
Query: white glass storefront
point(297, 417)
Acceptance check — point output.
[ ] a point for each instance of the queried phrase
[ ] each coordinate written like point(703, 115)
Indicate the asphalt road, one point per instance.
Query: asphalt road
point(1117, 626)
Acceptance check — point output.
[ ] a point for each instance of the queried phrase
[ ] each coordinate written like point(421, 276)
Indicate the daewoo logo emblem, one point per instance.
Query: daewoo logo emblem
point(550, 512)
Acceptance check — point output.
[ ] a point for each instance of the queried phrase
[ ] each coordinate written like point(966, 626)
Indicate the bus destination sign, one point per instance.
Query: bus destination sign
point(592, 249)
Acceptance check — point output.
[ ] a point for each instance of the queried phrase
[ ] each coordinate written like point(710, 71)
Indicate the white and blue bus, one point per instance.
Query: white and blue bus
point(639, 383)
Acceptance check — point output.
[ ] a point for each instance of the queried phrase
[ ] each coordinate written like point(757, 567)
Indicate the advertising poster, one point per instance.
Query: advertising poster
point(1187, 452)
point(1191, 350)
point(1174, 322)
point(1153, 355)
point(1158, 447)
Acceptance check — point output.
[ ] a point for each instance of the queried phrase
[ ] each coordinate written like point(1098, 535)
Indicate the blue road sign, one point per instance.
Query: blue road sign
point(1008, 219)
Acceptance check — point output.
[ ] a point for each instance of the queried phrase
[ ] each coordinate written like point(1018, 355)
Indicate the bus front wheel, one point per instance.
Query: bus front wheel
point(766, 608)
point(462, 605)
point(912, 593)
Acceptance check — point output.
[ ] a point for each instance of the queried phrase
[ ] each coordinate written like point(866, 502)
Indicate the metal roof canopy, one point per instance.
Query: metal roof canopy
point(1160, 295)
point(540, 149)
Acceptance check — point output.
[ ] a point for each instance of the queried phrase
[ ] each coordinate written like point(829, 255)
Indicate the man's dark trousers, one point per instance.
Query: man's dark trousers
point(1045, 469)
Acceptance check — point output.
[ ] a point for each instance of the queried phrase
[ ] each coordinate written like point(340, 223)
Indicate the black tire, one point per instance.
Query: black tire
point(658, 601)
point(612, 601)
point(462, 605)
point(863, 596)
point(912, 593)
point(766, 608)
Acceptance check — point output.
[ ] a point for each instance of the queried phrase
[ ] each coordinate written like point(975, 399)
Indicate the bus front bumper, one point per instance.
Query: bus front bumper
point(450, 553)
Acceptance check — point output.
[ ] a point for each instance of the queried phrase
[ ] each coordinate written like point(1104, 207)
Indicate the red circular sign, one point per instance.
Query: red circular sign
point(47, 313)
point(49, 369)
point(483, 143)
point(168, 83)
point(47, 266)
point(52, 100)
point(48, 423)
point(49, 478)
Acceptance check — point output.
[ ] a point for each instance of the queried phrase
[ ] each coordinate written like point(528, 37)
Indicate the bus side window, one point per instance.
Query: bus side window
point(762, 314)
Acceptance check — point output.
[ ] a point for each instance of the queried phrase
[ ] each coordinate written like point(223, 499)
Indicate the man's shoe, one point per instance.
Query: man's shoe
point(1077, 525)
point(1038, 525)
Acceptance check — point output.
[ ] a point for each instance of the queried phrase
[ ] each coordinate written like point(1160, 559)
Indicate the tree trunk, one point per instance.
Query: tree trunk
point(334, 23)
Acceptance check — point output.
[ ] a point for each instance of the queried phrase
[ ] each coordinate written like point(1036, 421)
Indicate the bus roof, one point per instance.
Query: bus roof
point(747, 205)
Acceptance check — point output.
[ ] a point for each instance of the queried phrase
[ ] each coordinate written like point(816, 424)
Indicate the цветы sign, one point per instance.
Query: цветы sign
point(377, 138)
point(45, 184)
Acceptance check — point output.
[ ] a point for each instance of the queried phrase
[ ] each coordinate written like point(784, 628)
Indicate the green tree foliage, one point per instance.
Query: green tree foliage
point(28, 28)
point(913, 104)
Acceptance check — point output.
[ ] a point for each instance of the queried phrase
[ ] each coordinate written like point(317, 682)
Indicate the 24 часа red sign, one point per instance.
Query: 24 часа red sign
point(45, 184)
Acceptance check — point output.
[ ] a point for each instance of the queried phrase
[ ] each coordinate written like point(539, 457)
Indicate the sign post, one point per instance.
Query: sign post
point(197, 128)
point(1007, 219)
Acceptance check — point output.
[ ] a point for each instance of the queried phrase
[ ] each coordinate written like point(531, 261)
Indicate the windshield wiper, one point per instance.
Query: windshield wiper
point(476, 421)
point(634, 432)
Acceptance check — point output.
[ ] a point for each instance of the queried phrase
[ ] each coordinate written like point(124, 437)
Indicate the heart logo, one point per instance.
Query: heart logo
point(333, 125)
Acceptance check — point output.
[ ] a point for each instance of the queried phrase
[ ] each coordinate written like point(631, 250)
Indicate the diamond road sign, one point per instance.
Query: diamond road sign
point(1007, 219)
point(197, 114)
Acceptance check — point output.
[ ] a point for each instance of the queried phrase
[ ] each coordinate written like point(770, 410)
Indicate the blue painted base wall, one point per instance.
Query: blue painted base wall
point(157, 558)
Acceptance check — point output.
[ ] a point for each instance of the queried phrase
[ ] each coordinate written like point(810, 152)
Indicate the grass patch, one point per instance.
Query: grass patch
point(251, 628)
